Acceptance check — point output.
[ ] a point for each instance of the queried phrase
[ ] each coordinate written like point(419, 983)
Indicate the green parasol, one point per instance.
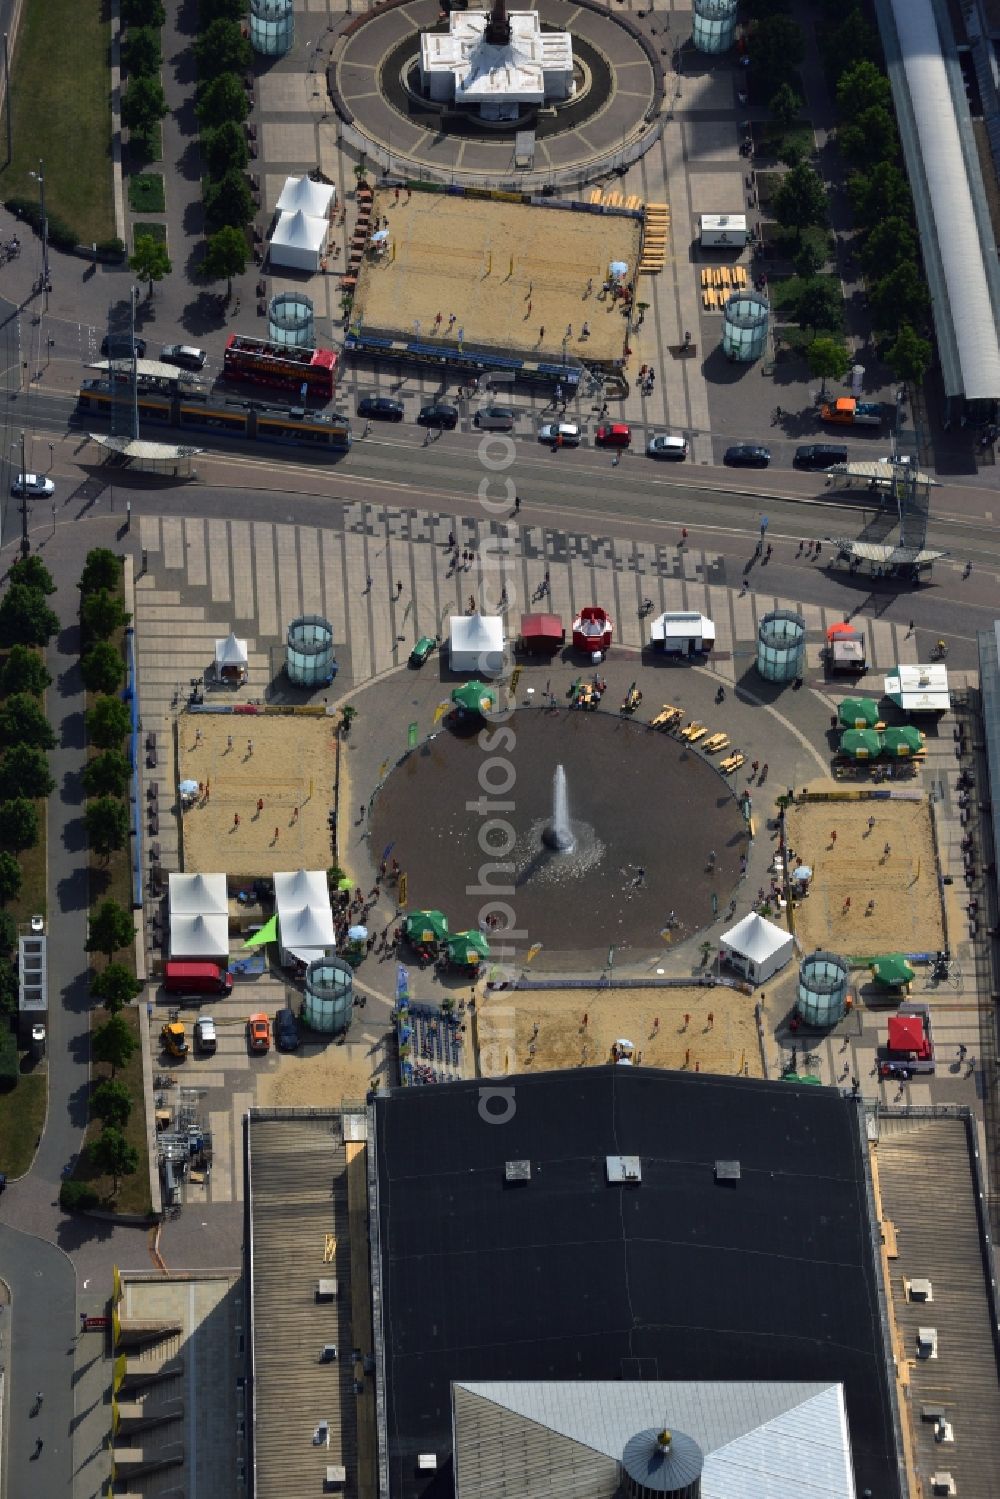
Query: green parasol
point(900, 743)
point(426, 926)
point(267, 933)
point(858, 713)
point(345, 884)
point(475, 697)
point(892, 971)
point(468, 948)
point(861, 744)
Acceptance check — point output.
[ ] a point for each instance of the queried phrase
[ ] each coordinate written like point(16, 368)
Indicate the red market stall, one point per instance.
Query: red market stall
point(592, 630)
point(542, 634)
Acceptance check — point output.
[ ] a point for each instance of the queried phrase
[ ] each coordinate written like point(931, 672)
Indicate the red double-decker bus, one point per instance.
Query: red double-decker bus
point(283, 365)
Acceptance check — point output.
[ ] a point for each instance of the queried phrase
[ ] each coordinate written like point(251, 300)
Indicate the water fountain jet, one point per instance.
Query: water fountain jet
point(558, 834)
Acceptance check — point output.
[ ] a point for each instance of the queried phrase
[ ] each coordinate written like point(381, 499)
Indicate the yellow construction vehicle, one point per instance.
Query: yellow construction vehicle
point(173, 1040)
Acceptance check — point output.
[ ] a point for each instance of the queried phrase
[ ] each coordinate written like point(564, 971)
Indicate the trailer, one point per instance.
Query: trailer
point(847, 412)
point(723, 231)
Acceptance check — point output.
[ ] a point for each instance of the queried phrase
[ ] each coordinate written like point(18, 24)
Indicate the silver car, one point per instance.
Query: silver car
point(560, 434)
point(34, 484)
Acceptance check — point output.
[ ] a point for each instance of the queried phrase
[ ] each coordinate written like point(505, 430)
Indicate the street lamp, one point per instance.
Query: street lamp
point(39, 177)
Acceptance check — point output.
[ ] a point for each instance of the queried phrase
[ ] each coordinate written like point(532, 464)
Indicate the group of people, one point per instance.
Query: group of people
point(646, 379)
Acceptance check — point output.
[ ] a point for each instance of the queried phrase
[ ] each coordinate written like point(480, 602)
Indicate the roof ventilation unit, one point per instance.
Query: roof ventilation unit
point(426, 1462)
point(659, 1463)
point(727, 1172)
point(517, 1173)
point(943, 1483)
point(326, 1290)
point(624, 1169)
point(919, 1290)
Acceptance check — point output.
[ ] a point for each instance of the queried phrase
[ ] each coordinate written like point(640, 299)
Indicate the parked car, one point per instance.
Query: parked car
point(286, 1031)
point(121, 345)
point(259, 1033)
point(820, 455)
point(422, 650)
point(747, 455)
point(495, 418)
point(439, 414)
point(665, 446)
point(34, 484)
point(205, 1039)
point(185, 356)
point(561, 434)
point(381, 408)
point(613, 435)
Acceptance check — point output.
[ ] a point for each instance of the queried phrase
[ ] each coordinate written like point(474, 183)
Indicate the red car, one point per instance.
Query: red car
point(259, 1032)
point(613, 435)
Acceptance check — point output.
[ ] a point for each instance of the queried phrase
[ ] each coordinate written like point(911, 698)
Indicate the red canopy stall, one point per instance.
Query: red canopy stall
point(542, 634)
point(592, 630)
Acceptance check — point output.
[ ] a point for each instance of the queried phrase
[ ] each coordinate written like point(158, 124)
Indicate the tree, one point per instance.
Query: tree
point(784, 106)
point(810, 257)
point(8, 934)
point(102, 668)
point(888, 243)
point(32, 572)
point(854, 41)
point(8, 987)
point(106, 821)
point(10, 877)
point(111, 929)
point(23, 722)
point(862, 86)
point(800, 200)
point(909, 357)
point(224, 149)
point(778, 48)
point(828, 359)
point(228, 202)
point(222, 48)
point(113, 1156)
point(18, 824)
point(143, 105)
point(24, 771)
point(113, 1044)
point(141, 53)
point(226, 255)
point(102, 569)
point(24, 671)
point(101, 614)
point(143, 12)
point(114, 986)
point(881, 193)
point(819, 305)
point(870, 138)
point(108, 721)
point(222, 99)
point(104, 775)
point(25, 617)
point(900, 297)
point(111, 1102)
point(150, 261)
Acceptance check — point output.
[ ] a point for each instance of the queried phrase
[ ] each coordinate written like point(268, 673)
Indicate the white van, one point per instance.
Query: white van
point(665, 446)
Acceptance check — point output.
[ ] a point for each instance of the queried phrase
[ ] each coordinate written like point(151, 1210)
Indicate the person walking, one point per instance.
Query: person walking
point(229, 743)
point(236, 821)
point(260, 805)
point(517, 504)
point(277, 831)
point(249, 749)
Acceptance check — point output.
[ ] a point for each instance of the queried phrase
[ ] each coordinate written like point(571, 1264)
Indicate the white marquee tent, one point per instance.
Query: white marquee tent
point(476, 643)
point(757, 948)
point(305, 917)
point(198, 895)
point(199, 936)
point(299, 241)
point(303, 195)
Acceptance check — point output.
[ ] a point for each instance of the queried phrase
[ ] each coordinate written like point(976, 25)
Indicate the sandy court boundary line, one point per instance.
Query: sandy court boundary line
point(506, 1033)
point(453, 257)
point(292, 769)
point(854, 867)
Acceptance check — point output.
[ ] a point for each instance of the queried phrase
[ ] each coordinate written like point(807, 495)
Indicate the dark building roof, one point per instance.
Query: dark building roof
point(677, 1276)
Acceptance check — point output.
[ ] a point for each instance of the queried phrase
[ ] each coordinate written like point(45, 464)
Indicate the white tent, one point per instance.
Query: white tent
point(231, 652)
point(476, 643)
point(198, 895)
point(298, 241)
point(919, 689)
point(305, 917)
point(303, 195)
point(199, 936)
point(757, 948)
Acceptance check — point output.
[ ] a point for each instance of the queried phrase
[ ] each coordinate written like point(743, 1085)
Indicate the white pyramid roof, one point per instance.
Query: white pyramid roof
point(230, 652)
point(299, 231)
point(303, 195)
point(199, 936)
point(307, 927)
point(198, 895)
point(755, 938)
point(300, 887)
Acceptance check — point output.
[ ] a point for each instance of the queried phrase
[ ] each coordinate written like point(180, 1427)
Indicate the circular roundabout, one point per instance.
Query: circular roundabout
point(481, 826)
point(374, 84)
